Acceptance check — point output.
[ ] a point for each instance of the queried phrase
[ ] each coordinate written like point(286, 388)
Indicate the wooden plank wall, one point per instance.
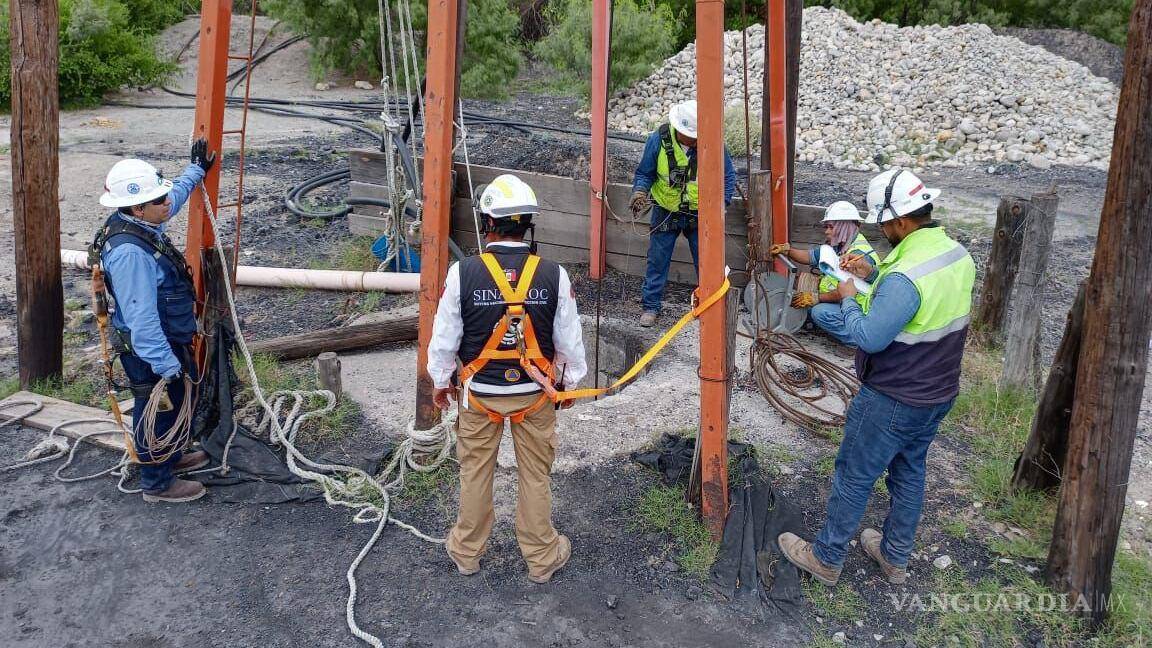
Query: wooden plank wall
point(563, 224)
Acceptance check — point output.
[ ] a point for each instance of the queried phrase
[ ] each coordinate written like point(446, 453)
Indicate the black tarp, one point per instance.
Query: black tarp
point(749, 570)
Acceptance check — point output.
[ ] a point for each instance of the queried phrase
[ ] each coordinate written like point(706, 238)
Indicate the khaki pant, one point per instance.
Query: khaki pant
point(477, 444)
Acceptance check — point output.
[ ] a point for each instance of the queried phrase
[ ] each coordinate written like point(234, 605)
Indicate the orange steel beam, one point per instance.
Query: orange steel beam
point(601, 51)
point(713, 372)
point(777, 34)
point(211, 91)
point(439, 131)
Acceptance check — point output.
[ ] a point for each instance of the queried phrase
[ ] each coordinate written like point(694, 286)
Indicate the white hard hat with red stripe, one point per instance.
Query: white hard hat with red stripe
point(896, 193)
point(133, 182)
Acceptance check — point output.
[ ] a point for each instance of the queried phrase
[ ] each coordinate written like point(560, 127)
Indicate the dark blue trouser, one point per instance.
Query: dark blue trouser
point(666, 228)
point(880, 433)
point(154, 477)
point(828, 316)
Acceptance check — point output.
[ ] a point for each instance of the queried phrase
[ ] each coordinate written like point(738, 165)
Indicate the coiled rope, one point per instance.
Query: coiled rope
point(342, 485)
point(787, 373)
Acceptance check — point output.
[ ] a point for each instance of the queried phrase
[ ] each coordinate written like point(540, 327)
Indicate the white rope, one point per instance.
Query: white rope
point(468, 170)
point(353, 488)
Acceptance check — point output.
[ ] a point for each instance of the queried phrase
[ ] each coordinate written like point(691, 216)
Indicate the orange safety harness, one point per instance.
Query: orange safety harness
point(527, 350)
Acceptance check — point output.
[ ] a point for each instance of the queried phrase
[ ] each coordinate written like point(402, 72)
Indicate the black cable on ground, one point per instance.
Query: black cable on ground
point(294, 197)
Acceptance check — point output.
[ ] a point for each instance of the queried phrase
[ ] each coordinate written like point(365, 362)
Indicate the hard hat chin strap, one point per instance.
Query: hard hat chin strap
point(888, 194)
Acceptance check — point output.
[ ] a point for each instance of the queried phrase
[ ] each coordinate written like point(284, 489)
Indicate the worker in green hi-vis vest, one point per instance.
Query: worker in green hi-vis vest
point(909, 332)
point(841, 233)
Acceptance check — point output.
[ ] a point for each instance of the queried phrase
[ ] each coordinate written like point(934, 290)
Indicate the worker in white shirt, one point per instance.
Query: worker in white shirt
point(510, 317)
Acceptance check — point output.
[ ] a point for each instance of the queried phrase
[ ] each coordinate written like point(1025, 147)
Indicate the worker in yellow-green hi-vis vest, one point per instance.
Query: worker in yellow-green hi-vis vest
point(909, 333)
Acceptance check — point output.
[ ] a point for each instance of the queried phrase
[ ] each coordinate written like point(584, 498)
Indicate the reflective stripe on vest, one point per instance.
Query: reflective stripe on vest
point(943, 273)
point(859, 246)
point(662, 192)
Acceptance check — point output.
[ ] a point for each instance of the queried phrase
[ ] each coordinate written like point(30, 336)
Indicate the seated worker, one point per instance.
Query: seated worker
point(152, 302)
point(842, 232)
point(666, 176)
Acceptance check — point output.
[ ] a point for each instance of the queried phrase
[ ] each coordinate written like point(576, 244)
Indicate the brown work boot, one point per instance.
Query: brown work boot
point(799, 552)
point(181, 490)
point(870, 539)
point(561, 559)
point(648, 319)
point(192, 461)
point(466, 568)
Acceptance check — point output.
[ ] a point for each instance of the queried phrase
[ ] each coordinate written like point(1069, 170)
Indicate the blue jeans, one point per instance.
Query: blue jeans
point(154, 477)
point(880, 433)
point(828, 316)
point(666, 228)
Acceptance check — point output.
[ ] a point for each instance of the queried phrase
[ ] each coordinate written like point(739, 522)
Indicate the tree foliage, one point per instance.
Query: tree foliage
point(345, 37)
point(104, 45)
point(643, 35)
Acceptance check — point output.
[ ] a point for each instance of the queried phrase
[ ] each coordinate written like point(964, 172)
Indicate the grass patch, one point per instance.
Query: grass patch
point(73, 304)
point(419, 487)
point(82, 389)
point(840, 603)
point(826, 465)
point(356, 254)
point(9, 386)
point(956, 527)
point(662, 508)
point(274, 377)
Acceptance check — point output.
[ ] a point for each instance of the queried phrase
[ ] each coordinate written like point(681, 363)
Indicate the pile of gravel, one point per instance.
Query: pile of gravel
point(874, 94)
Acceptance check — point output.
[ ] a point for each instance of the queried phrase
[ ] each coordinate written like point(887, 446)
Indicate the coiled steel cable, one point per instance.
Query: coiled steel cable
point(811, 383)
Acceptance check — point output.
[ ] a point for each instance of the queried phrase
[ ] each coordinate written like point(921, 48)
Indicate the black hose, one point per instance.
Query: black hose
point(294, 197)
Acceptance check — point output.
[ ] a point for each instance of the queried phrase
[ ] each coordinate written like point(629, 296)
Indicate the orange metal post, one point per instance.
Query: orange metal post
point(439, 108)
point(713, 372)
point(601, 49)
point(211, 91)
point(778, 122)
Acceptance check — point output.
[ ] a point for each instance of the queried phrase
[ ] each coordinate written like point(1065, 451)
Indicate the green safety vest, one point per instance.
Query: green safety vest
point(674, 199)
point(859, 246)
point(943, 273)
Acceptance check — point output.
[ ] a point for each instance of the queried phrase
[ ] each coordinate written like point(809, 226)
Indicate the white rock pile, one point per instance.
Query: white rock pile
point(874, 94)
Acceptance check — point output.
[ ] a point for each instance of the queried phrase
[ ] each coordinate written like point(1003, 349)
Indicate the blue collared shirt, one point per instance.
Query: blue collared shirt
point(136, 276)
point(646, 171)
point(893, 306)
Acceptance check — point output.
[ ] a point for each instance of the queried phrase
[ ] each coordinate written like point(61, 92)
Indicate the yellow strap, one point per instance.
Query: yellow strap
point(651, 352)
point(523, 284)
point(511, 296)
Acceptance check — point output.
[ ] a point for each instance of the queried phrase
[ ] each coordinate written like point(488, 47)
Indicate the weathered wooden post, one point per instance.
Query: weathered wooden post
point(1022, 337)
point(1000, 270)
point(1114, 357)
point(1042, 460)
point(328, 373)
point(34, 29)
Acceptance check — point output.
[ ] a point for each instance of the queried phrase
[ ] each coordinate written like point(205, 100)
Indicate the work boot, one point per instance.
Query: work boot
point(648, 319)
point(561, 559)
point(799, 552)
point(192, 461)
point(465, 568)
point(870, 539)
point(181, 490)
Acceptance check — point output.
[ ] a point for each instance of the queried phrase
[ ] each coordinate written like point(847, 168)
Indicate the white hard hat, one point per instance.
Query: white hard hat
point(841, 210)
point(682, 116)
point(133, 182)
point(507, 196)
point(896, 193)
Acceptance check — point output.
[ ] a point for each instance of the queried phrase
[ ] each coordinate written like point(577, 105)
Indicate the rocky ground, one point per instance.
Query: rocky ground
point(87, 559)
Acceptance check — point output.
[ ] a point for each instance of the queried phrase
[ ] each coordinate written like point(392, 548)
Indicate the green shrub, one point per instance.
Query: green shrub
point(103, 46)
point(643, 35)
point(345, 37)
point(734, 126)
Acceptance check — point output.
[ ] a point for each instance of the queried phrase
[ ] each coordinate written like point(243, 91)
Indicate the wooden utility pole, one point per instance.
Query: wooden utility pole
point(35, 42)
point(1042, 460)
point(439, 136)
point(1114, 357)
point(1022, 338)
point(1000, 270)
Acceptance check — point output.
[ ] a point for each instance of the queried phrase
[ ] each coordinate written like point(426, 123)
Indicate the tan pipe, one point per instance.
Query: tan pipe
point(346, 280)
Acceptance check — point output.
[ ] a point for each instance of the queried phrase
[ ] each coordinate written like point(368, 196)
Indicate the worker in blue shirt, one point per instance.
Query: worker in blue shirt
point(909, 333)
point(666, 181)
point(153, 306)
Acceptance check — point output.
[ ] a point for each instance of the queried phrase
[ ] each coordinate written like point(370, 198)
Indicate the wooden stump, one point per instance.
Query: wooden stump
point(1042, 461)
point(1000, 270)
point(328, 373)
point(1022, 340)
